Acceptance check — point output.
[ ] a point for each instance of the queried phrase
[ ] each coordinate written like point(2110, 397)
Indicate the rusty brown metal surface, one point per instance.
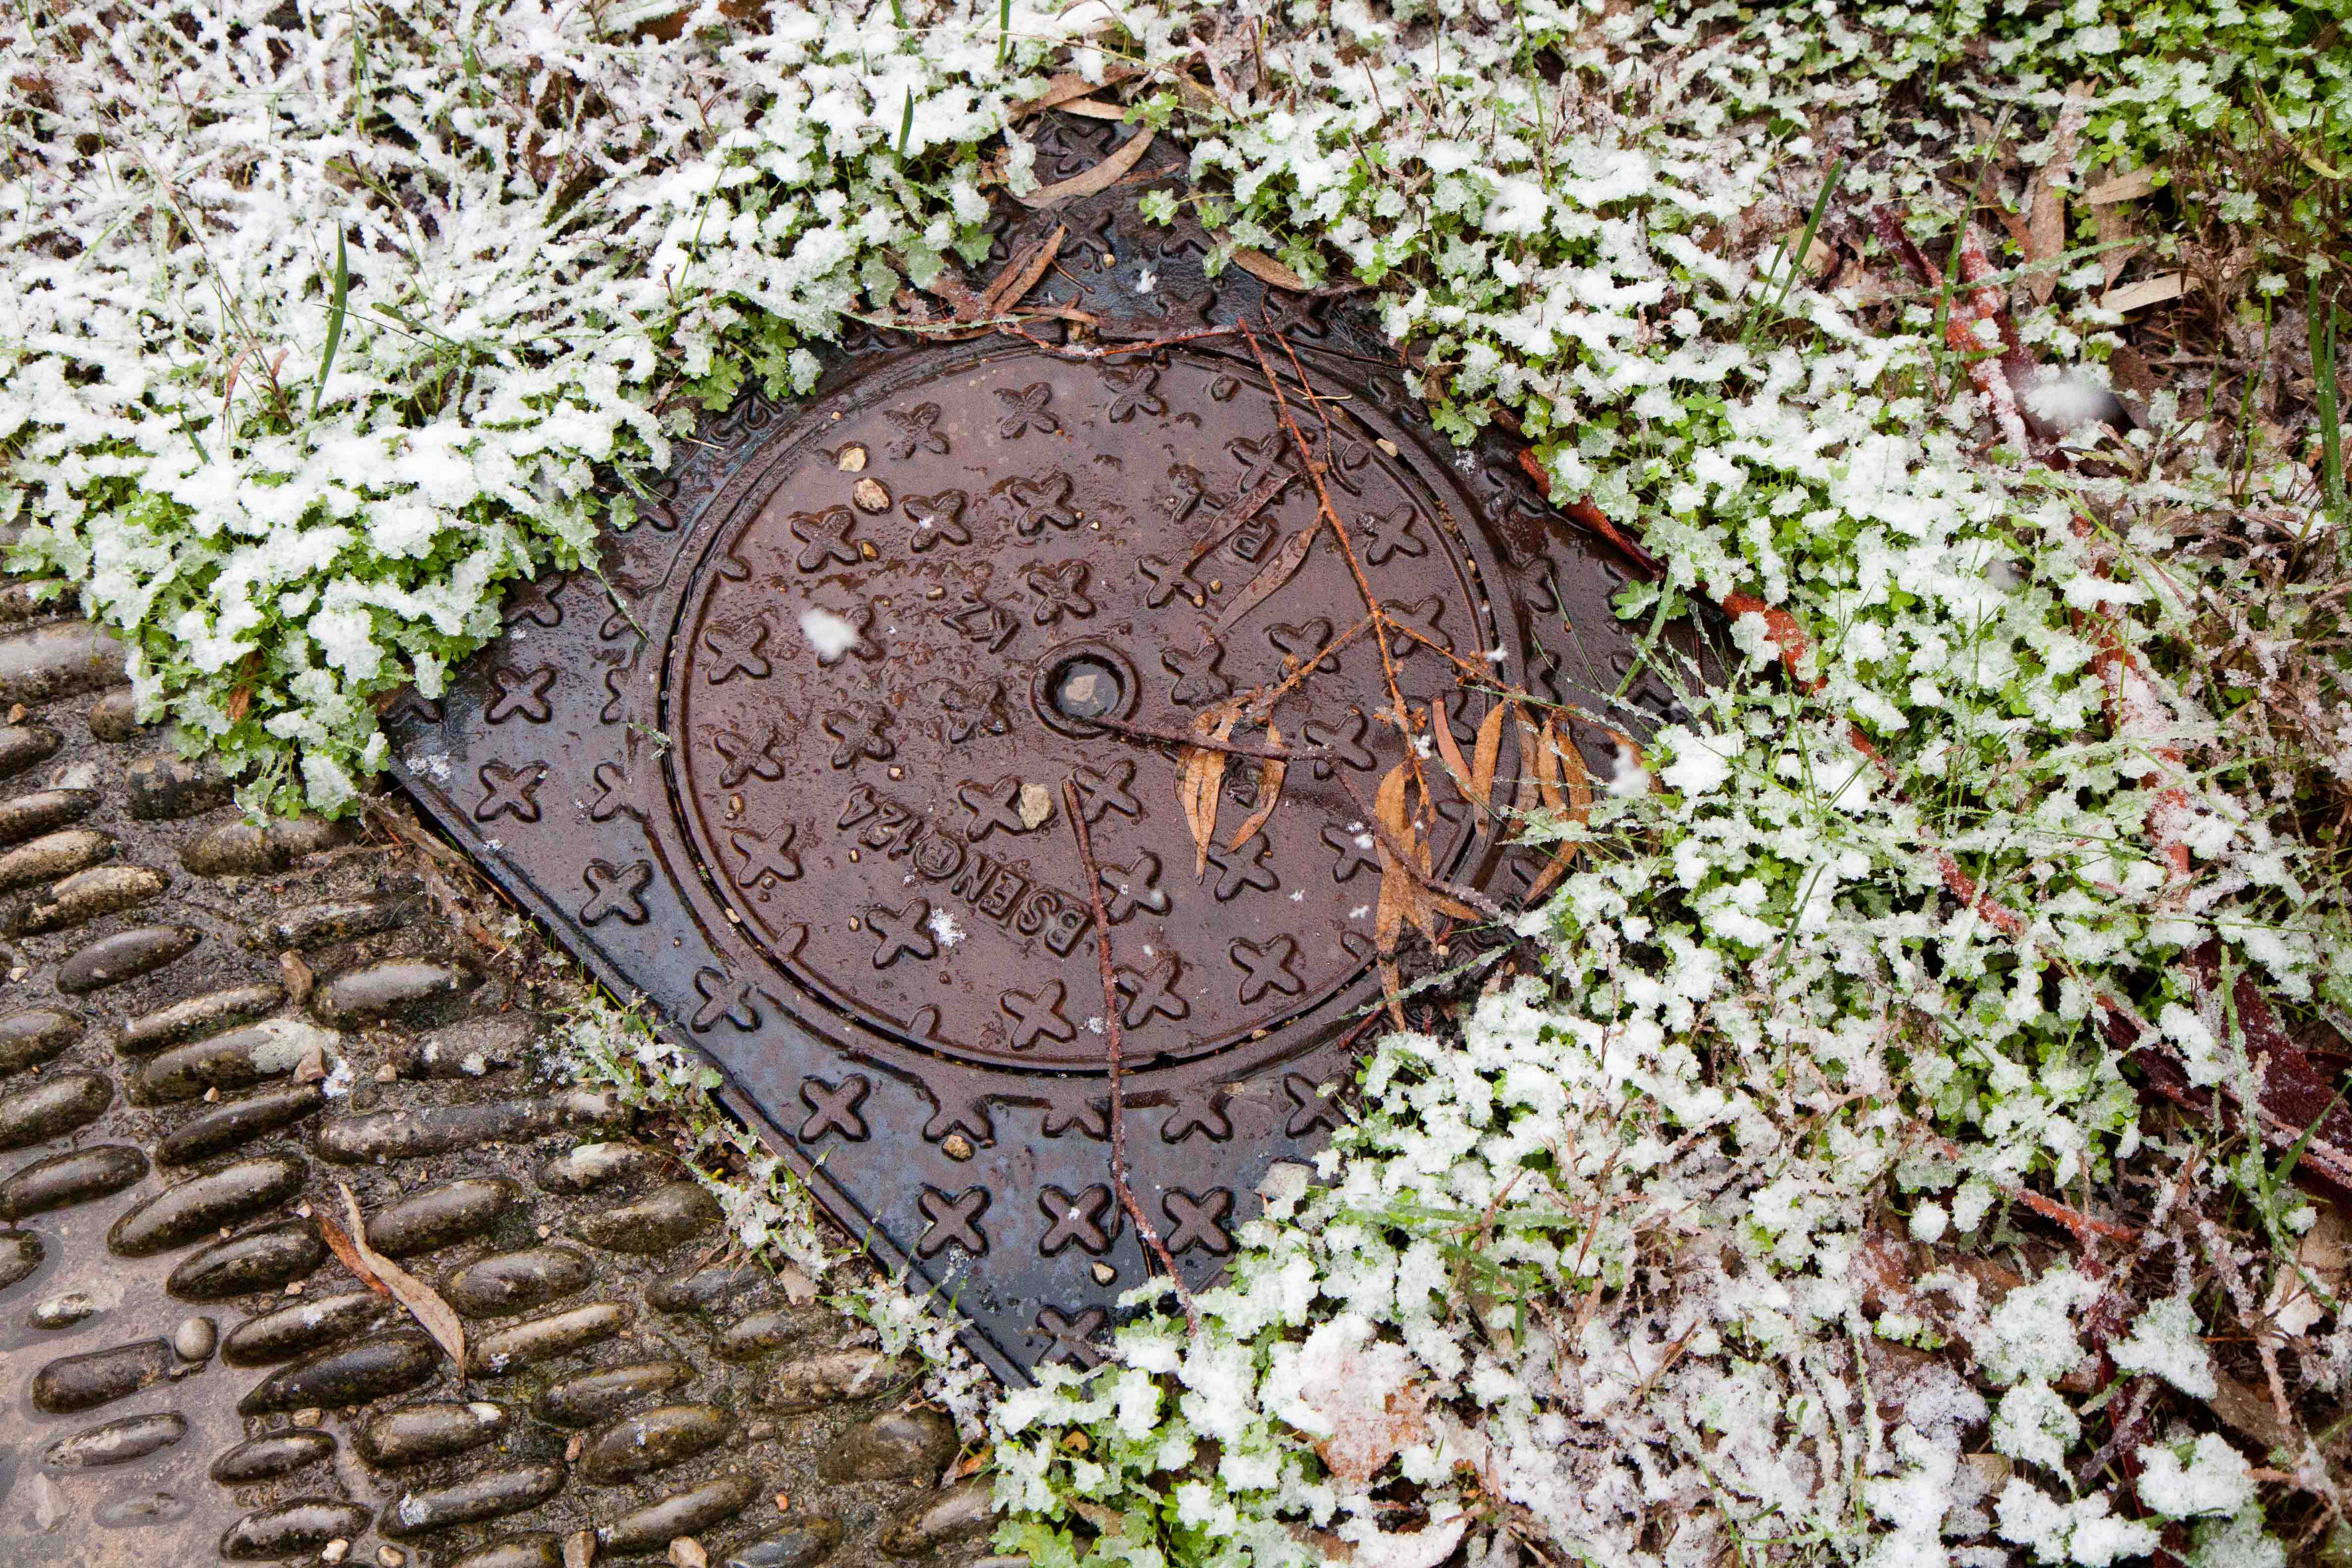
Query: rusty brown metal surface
point(213, 1031)
point(795, 775)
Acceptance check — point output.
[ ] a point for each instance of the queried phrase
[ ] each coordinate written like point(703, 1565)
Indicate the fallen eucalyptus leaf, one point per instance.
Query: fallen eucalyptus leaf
point(2129, 185)
point(1101, 177)
point(2147, 291)
point(423, 1303)
point(1271, 773)
point(1267, 269)
point(1020, 275)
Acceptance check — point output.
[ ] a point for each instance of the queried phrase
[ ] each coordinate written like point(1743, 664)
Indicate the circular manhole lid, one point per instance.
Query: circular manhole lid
point(929, 601)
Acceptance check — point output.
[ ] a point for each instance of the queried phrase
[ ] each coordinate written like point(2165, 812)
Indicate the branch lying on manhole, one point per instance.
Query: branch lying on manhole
point(1330, 515)
point(1076, 808)
point(1082, 352)
point(1259, 706)
point(1207, 743)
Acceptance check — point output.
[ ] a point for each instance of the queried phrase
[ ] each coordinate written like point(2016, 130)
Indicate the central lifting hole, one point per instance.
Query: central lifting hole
point(1086, 687)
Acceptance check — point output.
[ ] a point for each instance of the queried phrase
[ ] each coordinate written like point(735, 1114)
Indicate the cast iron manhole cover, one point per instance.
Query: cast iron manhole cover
point(885, 660)
point(802, 786)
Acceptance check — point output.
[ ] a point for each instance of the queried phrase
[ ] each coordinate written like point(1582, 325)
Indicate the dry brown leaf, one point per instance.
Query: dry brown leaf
point(1388, 915)
point(799, 1288)
point(2114, 224)
point(423, 1303)
point(1093, 108)
point(1486, 753)
point(1101, 177)
point(2132, 379)
point(2146, 292)
point(1453, 908)
point(2321, 1259)
point(2249, 1410)
point(1404, 889)
point(1449, 751)
point(1567, 786)
point(348, 1256)
point(1372, 1406)
point(1267, 269)
point(1107, 1520)
point(297, 976)
point(1526, 798)
point(2128, 187)
point(1198, 780)
point(2046, 208)
point(1068, 88)
point(1423, 907)
point(1020, 275)
point(1547, 762)
point(2020, 233)
point(948, 284)
point(1391, 984)
point(1201, 780)
point(1271, 773)
point(1276, 572)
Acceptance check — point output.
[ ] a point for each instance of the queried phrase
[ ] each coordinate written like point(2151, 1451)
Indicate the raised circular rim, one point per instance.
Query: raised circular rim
point(712, 534)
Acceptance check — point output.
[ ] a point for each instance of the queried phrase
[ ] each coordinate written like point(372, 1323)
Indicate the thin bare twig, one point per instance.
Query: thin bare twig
point(1261, 706)
point(1209, 744)
point(1143, 1226)
point(1107, 351)
point(1330, 515)
point(1459, 891)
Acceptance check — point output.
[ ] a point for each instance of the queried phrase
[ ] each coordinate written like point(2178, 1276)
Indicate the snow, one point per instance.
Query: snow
point(2210, 1478)
point(830, 635)
point(2165, 1342)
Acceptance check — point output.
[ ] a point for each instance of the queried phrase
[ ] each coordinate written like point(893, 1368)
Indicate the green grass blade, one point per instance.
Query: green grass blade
point(334, 321)
point(1813, 231)
point(906, 122)
point(2331, 417)
point(1003, 29)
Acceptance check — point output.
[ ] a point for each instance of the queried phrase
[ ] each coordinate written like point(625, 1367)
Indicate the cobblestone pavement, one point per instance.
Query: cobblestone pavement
point(209, 1026)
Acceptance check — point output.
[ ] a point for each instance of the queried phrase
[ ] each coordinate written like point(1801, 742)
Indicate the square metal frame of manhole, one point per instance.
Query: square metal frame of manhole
point(793, 770)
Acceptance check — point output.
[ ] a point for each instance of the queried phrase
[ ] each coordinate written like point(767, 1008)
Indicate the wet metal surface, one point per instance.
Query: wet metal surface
point(871, 667)
point(186, 1375)
point(798, 777)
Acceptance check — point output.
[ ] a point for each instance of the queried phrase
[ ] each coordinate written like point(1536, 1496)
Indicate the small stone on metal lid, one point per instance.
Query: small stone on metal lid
point(194, 1339)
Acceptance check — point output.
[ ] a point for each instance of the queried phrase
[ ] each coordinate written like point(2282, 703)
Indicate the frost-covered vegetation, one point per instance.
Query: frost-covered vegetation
point(1799, 1196)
